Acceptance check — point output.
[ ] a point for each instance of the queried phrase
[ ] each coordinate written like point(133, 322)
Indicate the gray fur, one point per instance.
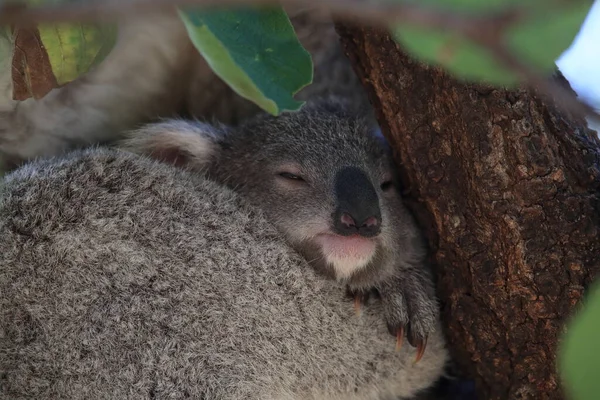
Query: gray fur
point(158, 250)
point(155, 72)
point(316, 143)
point(125, 278)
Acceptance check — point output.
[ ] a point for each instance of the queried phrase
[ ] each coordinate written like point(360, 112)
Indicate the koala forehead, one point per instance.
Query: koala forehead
point(316, 138)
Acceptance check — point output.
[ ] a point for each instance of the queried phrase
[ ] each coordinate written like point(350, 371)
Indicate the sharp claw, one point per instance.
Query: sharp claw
point(399, 338)
point(421, 344)
point(360, 298)
point(357, 304)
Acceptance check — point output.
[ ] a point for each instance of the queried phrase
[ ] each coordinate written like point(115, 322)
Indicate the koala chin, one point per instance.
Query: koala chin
point(346, 255)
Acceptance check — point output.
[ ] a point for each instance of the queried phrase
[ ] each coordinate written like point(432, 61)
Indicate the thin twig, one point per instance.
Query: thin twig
point(372, 13)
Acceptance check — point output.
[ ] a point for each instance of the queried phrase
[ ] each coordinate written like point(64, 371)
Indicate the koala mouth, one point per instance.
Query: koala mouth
point(346, 254)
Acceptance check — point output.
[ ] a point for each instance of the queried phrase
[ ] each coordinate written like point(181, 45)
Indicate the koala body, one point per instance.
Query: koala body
point(352, 230)
point(155, 72)
point(325, 179)
point(125, 278)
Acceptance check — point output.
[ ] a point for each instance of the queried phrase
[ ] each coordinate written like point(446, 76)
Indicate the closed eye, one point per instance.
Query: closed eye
point(290, 176)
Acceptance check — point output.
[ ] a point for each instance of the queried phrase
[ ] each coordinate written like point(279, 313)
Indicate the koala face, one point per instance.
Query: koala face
point(324, 178)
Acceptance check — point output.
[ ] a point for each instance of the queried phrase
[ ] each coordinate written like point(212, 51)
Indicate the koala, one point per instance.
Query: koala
point(123, 277)
point(326, 181)
point(154, 72)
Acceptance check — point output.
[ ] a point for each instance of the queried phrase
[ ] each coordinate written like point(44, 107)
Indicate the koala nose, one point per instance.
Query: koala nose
point(346, 224)
point(357, 209)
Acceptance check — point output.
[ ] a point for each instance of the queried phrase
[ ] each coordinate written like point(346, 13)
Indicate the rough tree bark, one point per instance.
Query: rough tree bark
point(507, 188)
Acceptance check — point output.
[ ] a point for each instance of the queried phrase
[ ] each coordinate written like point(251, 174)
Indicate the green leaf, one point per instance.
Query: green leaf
point(6, 55)
point(544, 31)
point(255, 51)
point(6, 46)
point(459, 56)
point(479, 6)
point(579, 352)
point(5, 33)
point(543, 38)
point(74, 49)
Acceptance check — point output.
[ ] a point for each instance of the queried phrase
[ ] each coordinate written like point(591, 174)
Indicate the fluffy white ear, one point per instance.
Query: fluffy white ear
point(182, 143)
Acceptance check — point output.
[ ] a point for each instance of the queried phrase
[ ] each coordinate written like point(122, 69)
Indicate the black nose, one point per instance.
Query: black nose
point(357, 204)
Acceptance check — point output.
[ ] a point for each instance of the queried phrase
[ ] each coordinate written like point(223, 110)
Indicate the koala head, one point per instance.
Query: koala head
point(323, 176)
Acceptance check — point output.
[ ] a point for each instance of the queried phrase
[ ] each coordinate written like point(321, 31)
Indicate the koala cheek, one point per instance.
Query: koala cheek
point(288, 187)
point(389, 226)
point(317, 222)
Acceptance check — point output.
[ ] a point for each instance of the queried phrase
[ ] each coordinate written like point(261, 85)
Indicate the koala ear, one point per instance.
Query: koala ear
point(181, 143)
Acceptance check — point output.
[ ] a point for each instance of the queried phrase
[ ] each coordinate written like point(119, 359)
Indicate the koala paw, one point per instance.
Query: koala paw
point(361, 297)
point(410, 309)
